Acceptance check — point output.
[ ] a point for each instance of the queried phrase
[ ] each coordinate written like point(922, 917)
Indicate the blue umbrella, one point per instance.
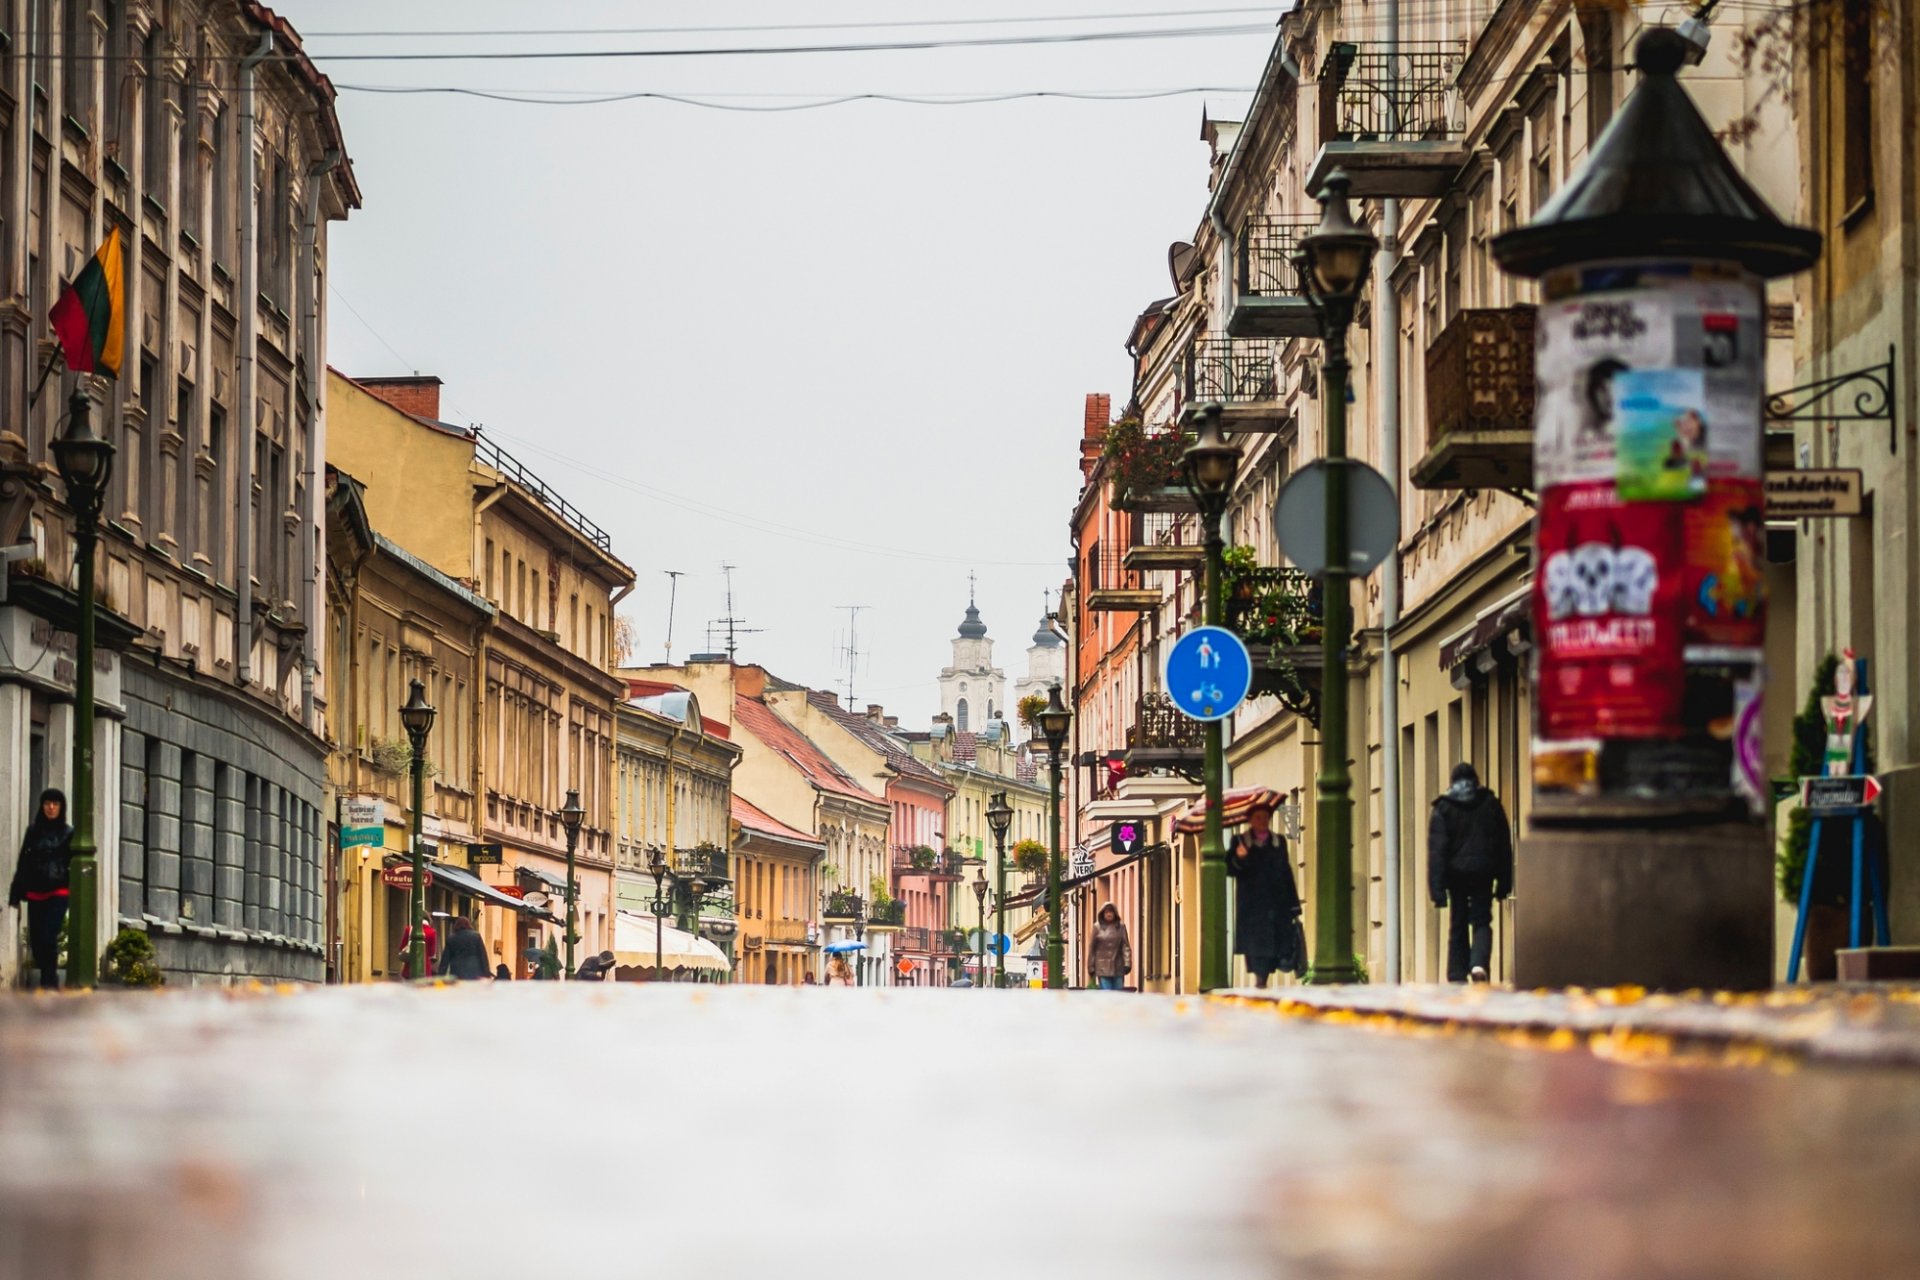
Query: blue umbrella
point(835, 948)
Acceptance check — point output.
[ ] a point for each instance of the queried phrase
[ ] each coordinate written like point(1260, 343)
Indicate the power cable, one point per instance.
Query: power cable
point(799, 26)
point(709, 103)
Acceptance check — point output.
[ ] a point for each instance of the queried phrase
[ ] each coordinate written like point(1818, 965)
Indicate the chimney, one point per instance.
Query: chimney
point(891, 722)
point(1099, 414)
point(418, 395)
point(749, 682)
point(876, 713)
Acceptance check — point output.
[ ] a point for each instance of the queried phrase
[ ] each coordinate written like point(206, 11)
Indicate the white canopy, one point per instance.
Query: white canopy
point(633, 945)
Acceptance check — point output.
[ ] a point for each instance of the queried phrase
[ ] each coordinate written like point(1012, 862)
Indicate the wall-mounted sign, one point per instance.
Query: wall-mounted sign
point(400, 877)
point(1851, 791)
point(483, 855)
point(1128, 836)
point(1813, 495)
point(362, 822)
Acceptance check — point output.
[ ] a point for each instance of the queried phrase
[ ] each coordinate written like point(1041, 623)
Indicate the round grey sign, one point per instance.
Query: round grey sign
point(1300, 516)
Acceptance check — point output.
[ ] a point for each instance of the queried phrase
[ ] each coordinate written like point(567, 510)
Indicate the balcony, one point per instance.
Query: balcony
point(709, 862)
point(843, 905)
point(924, 860)
point(1242, 376)
point(1145, 469)
point(1393, 124)
point(1111, 587)
point(1276, 611)
point(1162, 541)
point(1161, 737)
point(1267, 301)
point(1480, 403)
point(889, 914)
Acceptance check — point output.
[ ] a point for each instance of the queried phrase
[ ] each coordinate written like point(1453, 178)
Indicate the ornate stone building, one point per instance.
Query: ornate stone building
point(973, 690)
point(201, 134)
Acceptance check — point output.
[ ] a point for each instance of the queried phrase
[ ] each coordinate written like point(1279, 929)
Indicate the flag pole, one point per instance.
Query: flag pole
point(45, 373)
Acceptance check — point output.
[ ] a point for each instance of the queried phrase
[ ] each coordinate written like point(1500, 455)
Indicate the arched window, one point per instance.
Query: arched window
point(960, 715)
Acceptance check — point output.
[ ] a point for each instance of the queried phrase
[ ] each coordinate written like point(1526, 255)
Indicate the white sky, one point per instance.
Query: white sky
point(761, 338)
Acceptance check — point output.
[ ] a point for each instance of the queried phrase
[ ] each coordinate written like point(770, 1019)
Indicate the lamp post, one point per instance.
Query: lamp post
point(1336, 258)
point(657, 865)
point(999, 818)
point(980, 901)
point(1054, 719)
point(417, 717)
point(85, 462)
point(571, 815)
point(697, 887)
point(722, 930)
point(1211, 465)
point(860, 936)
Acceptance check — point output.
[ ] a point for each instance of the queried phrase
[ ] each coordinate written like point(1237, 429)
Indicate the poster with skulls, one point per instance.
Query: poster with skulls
point(1609, 615)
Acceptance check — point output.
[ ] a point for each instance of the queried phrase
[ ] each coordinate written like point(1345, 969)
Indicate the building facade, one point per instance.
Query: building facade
point(972, 690)
point(220, 170)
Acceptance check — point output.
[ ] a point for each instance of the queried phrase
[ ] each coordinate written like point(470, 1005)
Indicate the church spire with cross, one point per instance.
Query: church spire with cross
point(972, 690)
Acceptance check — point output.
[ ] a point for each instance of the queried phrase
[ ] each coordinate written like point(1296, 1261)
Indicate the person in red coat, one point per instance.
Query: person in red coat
point(406, 949)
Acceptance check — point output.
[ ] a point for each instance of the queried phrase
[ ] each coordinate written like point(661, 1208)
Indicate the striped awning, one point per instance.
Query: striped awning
point(1234, 808)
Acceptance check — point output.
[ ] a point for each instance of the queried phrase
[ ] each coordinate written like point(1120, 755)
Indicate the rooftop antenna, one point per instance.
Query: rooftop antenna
point(673, 593)
point(851, 651)
point(731, 622)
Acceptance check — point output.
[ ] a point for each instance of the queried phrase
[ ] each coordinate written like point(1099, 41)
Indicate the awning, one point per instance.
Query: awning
point(1507, 622)
point(547, 878)
point(1235, 805)
point(634, 943)
point(460, 880)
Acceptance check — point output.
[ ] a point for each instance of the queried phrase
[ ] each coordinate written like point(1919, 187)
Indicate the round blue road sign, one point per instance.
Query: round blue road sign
point(1207, 673)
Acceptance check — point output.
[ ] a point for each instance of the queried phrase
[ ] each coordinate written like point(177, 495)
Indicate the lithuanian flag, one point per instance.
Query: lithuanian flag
point(88, 317)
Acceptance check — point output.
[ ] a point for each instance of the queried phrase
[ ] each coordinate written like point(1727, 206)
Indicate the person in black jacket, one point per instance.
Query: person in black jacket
point(465, 956)
point(1470, 862)
point(1267, 903)
point(40, 881)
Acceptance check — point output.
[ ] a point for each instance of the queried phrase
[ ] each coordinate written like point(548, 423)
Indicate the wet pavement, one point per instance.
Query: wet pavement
point(562, 1130)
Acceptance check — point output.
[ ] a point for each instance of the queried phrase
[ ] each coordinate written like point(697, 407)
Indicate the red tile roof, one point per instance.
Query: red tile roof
point(758, 719)
point(878, 740)
point(754, 818)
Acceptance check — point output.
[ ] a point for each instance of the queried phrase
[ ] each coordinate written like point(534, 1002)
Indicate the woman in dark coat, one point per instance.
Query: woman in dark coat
point(40, 881)
point(465, 955)
point(1267, 903)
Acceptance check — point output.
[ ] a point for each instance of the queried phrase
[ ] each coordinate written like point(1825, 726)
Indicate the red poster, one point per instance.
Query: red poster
point(1608, 608)
point(1726, 558)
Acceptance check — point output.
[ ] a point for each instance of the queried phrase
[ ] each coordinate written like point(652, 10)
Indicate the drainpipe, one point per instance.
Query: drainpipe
point(316, 426)
point(249, 372)
point(1387, 355)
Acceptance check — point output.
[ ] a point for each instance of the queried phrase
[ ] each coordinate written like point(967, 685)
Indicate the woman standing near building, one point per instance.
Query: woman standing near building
point(1110, 952)
point(40, 881)
point(1267, 903)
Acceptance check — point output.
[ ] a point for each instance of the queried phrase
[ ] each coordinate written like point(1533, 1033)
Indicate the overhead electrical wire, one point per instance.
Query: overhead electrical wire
point(1029, 19)
point(708, 101)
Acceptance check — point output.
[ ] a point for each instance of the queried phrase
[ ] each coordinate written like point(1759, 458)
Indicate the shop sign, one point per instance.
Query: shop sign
point(1813, 495)
point(362, 822)
point(483, 855)
point(1850, 791)
point(1127, 836)
point(401, 877)
point(1080, 862)
point(511, 890)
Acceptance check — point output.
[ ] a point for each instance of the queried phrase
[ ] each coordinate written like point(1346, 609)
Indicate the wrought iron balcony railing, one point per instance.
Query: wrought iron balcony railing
point(1368, 96)
point(891, 913)
point(1111, 584)
point(1231, 370)
point(1480, 399)
point(492, 455)
point(1267, 246)
point(1159, 725)
point(843, 904)
point(709, 863)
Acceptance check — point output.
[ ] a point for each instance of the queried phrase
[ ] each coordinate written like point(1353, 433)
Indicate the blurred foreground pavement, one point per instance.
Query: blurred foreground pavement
point(599, 1130)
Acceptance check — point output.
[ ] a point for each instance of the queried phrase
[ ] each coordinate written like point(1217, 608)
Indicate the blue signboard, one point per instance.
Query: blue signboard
point(1208, 673)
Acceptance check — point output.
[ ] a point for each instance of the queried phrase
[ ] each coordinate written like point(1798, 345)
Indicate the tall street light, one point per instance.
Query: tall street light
point(85, 462)
point(417, 717)
point(999, 818)
point(661, 904)
point(1054, 719)
point(571, 815)
point(1336, 256)
point(980, 900)
point(1211, 465)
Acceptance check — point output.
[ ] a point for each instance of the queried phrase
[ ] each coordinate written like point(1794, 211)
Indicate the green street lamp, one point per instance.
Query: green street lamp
point(571, 815)
point(417, 717)
point(999, 818)
point(85, 462)
point(1053, 720)
point(1336, 258)
point(1211, 465)
point(661, 904)
point(980, 902)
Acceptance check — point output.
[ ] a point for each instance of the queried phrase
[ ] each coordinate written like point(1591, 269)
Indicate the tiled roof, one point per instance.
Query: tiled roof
point(875, 738)
point(964, 746)
point(754, 818)
point(758, 719)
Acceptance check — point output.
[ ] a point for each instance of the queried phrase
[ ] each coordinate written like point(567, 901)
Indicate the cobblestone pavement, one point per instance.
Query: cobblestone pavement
point(1876, 1025)
point(568, 1130)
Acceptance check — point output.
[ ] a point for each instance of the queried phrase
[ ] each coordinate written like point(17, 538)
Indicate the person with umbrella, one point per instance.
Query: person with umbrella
point(1266, 903)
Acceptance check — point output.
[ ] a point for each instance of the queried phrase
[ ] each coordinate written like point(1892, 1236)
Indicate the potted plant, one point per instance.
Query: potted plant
point(922, 857)
point(1030, 856)
point(130, 961)
point(1141, 461)
point(1029, 709)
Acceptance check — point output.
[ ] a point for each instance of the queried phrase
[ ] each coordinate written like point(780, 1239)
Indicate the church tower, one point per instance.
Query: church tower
point(1046, 666)
point(973, 690)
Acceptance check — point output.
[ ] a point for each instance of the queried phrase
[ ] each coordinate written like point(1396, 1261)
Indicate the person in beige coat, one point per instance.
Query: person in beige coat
point(1110, 953)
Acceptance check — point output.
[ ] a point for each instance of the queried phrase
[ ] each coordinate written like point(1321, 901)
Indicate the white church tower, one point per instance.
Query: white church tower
point(1046, 666)
point(972, 690)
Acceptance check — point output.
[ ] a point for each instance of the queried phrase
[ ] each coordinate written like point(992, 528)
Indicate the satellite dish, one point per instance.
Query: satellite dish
point(535, 898)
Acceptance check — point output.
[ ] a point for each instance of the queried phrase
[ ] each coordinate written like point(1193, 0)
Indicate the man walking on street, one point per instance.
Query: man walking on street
point(1470, 863)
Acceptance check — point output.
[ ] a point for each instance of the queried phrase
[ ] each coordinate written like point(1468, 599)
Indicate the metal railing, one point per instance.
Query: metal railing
point(1160, 725)
point(1267, 246)
point(844, 904)
point(1106, 570)
point(513, 469)
point(1368, 96)
point(1480, 373)
point(893, 912)
point(1231, 370)
point(709, 864)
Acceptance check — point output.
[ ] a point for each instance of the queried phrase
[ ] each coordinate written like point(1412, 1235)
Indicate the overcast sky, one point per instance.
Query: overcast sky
point(843, 349)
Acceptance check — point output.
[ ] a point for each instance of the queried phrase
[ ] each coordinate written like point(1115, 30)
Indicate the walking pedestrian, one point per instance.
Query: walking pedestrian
point(501, 973)
point(543, 965)
point(1109, 952)
point(838, 970)
point(1266, 902)
point(466, 955)
point(595, 968)
point(40, 882)
point(432, 936)
point(1470, 864)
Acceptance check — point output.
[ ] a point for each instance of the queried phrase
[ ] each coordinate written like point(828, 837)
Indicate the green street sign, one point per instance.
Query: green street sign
point(357, 837)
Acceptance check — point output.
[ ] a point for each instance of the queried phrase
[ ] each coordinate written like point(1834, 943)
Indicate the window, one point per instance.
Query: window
point(1597, 33)
point(186, 96)
point(222, 189)
point(1856, 104)
point(182, 466)
point(148, 496)
point(76, 52)
point(534, 618)
point(154, 170)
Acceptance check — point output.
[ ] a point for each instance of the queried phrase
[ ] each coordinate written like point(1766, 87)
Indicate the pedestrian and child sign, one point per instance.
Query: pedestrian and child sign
point(1208, 673)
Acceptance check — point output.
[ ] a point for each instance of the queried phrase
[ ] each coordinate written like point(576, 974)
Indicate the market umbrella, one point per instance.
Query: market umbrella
point(633, 945)
point(1234, 808)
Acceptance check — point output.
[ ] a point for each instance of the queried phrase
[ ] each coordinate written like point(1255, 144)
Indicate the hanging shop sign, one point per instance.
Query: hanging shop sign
point(401, 877)
point(1127, 837)
point(362, 822)
point(484, 855)
point(1650, 603)
point(1849, 791)
point(1813, 495)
